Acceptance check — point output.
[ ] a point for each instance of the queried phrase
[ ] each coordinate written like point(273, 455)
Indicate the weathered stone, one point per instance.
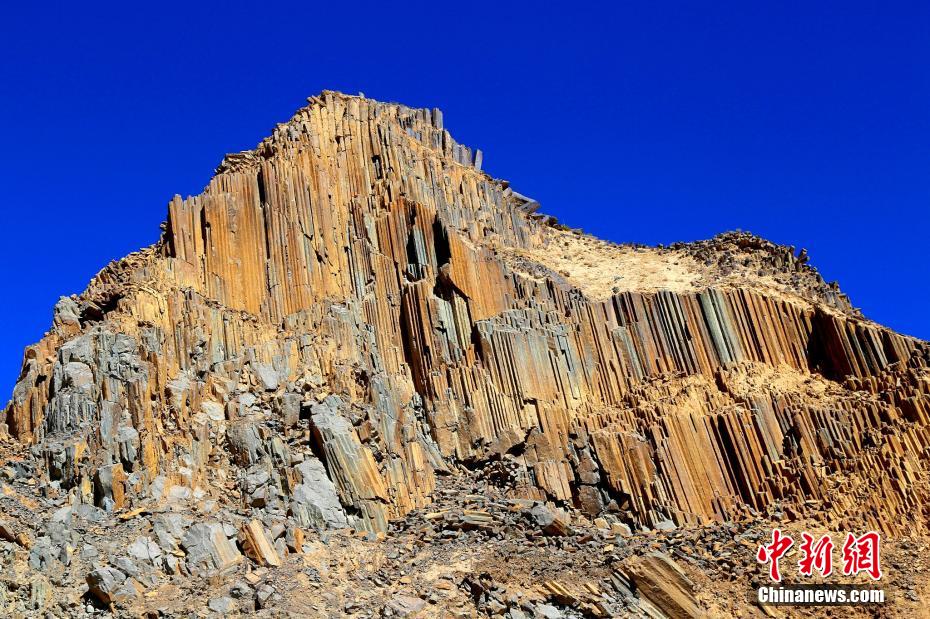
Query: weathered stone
point(660, 580)
point(406, 605)
point(168, 530)
point(294, 538)
point(109, 489)
point(267, 375)
point(257, 546)
point(354, 308)
point(105, 583)
point(263, 596)
point(547, 611)
point(144, 549)
point(222, 605)
point(551, 521)
point(289, 409)
point(208, 548)
point(245, 443)
point(315, 502)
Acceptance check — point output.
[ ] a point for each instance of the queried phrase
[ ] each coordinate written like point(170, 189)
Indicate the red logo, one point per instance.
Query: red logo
point(860, 554)
point(774, 552)
point(817, 556)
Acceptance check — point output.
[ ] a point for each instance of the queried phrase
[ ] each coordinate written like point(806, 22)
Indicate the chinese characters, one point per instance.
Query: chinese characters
point(859, 554)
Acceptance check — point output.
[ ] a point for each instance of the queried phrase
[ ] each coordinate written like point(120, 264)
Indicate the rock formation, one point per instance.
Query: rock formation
point(353, 312)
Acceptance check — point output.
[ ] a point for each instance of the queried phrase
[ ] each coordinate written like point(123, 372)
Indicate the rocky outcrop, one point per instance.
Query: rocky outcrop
point(354, 308)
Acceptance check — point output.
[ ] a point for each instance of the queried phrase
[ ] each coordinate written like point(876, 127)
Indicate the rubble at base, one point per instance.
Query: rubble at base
point(474, 552)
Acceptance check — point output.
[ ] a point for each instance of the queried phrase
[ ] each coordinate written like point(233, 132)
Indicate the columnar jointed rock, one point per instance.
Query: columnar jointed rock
point(355, 307)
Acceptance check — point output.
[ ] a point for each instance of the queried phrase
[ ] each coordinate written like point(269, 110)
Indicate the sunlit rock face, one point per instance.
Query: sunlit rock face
point(355, 307)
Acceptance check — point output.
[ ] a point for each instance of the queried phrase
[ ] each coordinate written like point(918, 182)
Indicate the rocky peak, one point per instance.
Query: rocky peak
point(353, 314)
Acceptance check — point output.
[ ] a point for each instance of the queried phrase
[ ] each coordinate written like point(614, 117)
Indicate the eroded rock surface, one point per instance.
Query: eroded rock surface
point(354, 312)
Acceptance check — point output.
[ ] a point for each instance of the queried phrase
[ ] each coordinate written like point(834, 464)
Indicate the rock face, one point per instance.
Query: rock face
point(354, 308)
point(360, 252)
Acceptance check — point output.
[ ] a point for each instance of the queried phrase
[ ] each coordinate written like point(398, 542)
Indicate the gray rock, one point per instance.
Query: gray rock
point(213, 410)
point(127, 439)
point(144, 549)
point(246, 400)
point(256, 478)
point(208, 549)
point(42, 555)
point(245, 443)
point(222, 604)
point(551, 521)
point(315, 502)
point(172, 565)
point(289, 409)
point(406, 605)
point(60, 533)
point(89, 553)
point(127, 566)
point(168, 529)
point(547, 611)
point(67, 312)
point(240, 590)
point(62, 515)
point(87, 512)
point(267, 375)
point(622, 528)
point(104, 583)
point(103, 486)
point(78, 375)
point(263, 596)
point(666, 525)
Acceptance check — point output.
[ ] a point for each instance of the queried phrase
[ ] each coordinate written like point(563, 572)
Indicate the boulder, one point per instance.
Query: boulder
point(105, 584)
point(552, 521)
point(208, 549)
point(257, 546)
point(660, 580)
point(315, 502)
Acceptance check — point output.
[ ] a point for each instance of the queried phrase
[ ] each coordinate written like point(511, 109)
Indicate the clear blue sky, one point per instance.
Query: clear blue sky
point(805, 122)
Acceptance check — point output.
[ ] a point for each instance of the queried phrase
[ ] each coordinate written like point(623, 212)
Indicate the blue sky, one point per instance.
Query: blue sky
point(805, 122)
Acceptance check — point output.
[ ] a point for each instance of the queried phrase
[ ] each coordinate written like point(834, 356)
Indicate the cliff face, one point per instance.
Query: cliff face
point(355, 302)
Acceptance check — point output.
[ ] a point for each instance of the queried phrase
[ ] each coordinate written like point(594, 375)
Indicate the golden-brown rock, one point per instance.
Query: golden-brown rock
point(358, 283)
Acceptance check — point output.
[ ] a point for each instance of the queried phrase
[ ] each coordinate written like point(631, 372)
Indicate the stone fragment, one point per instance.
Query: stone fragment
point(105, 583)
point(620, 528)
point(257, 546)
point(245, 443)
point(267, 375)
point(222, 604)
point(144, 549)
point(213, 410)
point(294, 538)
point(168, 529)
point(315, 502)
point(551, 521)
point(661, 581)
point(208, 549)
point(406, 605)
point(264, 595)
point(547, 611)
point(289, 409)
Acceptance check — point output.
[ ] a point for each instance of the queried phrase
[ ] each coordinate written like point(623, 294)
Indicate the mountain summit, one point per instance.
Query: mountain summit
point(355, 340)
